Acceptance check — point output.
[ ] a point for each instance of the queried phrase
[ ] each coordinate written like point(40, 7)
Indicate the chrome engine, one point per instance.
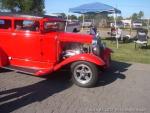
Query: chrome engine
point(71, 49)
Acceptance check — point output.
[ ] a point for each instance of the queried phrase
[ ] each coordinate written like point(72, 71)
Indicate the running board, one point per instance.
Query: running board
point(22, 69)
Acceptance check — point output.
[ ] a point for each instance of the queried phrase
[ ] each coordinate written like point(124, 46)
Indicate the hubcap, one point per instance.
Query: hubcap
point(83, 73)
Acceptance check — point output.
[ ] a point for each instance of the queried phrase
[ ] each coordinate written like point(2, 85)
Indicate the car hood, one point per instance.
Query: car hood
point(75, 37)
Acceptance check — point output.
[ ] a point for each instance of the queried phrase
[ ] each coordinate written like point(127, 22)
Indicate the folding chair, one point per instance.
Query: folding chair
point(142, 38)
point(116, 34)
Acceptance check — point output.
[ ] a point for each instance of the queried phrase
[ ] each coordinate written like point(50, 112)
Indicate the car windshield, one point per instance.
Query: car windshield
point(54, 26)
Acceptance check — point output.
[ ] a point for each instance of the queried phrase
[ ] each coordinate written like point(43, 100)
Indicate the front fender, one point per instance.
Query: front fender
point(81, 57)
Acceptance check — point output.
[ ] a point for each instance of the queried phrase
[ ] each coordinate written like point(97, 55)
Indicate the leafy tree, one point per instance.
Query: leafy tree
point(141, 14)
point(119, 18)
point(80, 18)
point(25, 6)
point(72, 17)
point(63, 15)
point(90, 16)
point(0, 4)
point(137, 16)
point(110, 18)
point(134, 16)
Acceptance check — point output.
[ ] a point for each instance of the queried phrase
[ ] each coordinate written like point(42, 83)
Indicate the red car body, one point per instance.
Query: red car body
point(41, 52)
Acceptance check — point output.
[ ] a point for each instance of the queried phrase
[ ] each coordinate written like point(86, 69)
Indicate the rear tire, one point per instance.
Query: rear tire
point(84, 74)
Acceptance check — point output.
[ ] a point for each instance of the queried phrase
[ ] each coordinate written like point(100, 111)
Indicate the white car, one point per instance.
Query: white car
point(137, 24)
point(73, 26)
point(87, 23)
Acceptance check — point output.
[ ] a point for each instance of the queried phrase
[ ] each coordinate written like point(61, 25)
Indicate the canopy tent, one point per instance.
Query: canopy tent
point(96, 8)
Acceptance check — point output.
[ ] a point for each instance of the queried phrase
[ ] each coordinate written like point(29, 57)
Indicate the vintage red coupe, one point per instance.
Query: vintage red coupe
point(38, 45)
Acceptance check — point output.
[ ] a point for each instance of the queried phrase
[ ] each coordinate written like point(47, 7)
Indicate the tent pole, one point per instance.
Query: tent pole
point(148, 24)
point(115, 20)
point(66, 23)
point(83, 18)
point(116, 29)
point(131, 27)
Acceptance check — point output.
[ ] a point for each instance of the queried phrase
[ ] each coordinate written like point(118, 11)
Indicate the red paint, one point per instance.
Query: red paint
point(40, 50)
point(106, 56)
point(81, 57)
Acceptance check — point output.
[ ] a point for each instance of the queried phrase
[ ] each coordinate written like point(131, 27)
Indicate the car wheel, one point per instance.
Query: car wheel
point(84, 74)
point(75, 30)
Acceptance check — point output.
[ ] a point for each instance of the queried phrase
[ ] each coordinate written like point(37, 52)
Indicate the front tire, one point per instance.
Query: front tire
point(84, 74)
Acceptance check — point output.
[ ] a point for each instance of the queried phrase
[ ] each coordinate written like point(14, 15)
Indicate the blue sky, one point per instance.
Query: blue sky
point(128, 7)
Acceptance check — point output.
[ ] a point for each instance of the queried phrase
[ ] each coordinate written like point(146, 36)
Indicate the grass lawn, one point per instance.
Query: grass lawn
point(127, 52)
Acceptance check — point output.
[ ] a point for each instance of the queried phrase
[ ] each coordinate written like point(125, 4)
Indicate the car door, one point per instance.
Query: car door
point(5, 40)
point(26, 41)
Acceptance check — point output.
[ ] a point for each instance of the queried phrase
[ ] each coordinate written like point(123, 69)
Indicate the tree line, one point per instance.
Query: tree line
point(24, 6)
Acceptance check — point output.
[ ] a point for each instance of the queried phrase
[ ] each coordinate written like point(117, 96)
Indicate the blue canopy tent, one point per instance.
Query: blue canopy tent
point(95, 8)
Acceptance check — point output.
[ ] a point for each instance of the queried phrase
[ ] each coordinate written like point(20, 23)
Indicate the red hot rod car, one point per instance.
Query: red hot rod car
point(38, 45)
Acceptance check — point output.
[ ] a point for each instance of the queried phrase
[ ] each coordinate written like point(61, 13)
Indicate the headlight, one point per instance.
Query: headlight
point(96, 50)
point(95, 47)
point(94, 41)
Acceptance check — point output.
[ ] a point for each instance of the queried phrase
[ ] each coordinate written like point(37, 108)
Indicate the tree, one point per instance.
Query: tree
point(24, 6)
point(110, 18)
point(0, 4)
point(141, 14)
point(63, 15)
point(72, 17)
point(119, 18)
point(135, 16)
point(80, 18)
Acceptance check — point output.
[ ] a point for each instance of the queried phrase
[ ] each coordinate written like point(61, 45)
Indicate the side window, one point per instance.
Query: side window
point(5, 24)
point(27, 25)
point(54, 26)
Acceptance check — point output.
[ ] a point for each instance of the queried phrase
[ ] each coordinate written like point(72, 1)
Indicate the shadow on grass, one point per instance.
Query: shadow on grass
point(14, 99)
point(113, 73)
point(145, 47)
point(125, 40)
point(142, 47)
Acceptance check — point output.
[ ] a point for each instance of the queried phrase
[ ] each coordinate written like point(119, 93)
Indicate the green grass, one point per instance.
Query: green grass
point(127, 52)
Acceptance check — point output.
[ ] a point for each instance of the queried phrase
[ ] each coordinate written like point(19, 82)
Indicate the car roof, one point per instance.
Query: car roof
point(32, 16)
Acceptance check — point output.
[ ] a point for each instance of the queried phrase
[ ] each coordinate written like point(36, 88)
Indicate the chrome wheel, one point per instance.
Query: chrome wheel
point(83, 73)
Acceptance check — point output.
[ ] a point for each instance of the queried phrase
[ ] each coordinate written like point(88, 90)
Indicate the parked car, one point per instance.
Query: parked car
point(118, 24)
point(87, 23)
point(73, 26)
point(38, 45)
point(137, 24)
